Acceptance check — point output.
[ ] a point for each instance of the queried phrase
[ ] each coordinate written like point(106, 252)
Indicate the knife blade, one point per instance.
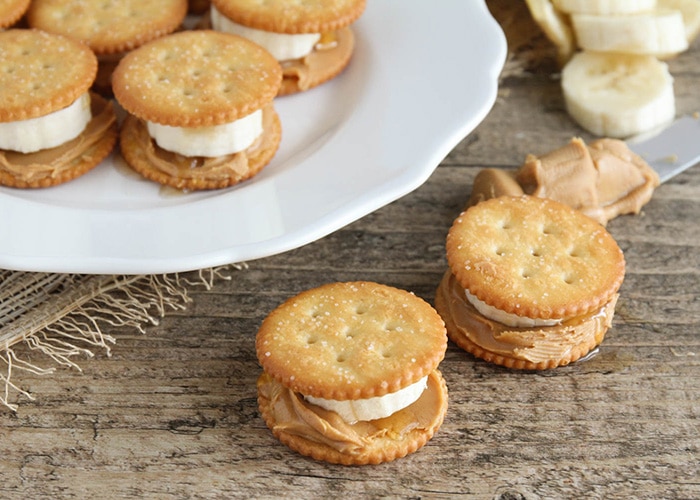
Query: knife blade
point(672, 150)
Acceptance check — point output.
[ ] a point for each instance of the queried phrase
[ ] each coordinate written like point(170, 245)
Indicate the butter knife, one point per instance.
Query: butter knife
point(672, 150)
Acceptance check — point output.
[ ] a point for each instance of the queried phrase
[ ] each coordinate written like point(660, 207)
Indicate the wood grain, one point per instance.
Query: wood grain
point(173, 413)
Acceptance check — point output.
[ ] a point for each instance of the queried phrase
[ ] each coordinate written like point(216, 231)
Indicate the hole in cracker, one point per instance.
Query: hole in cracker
point(535, 252)
point(386, 354)
point(526, 273)
point(500, 251)
point(341, 358)
point(568, 279)
point(311, 340)
point(547, 230)
point(360, 310)
point(187, 93)
point(574, 252)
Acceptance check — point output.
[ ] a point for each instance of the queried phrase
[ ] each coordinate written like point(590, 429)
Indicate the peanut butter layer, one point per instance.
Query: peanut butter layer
point(532, 348)
point(191, 173)
point(53, 166)
point(325, 62)
point(603, 180)
point(323, 435)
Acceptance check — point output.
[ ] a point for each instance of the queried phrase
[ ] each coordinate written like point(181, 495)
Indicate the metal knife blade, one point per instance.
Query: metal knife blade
point(673, 150)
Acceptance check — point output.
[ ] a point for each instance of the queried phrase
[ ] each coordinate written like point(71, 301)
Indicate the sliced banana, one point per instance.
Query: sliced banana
point(604, 7)
point(216, 140)
point(555, 26)
point(660, 32)
point(618, 95)
point(690, 10)
point(48, 131)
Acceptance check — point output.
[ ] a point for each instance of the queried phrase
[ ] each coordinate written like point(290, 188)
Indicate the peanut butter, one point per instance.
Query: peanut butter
point(31, 167)
point(603, 180)
point(533, 344)
point(296, 416)
point(220, 167)
point(329, 52)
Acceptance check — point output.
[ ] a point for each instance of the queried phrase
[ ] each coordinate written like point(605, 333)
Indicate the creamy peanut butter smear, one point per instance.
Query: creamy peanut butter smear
point(603, 179)
point(294, 415)
point(330, 52)
point(534, 344)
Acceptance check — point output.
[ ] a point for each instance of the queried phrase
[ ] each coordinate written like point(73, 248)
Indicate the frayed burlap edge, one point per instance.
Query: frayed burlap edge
point(60, 316)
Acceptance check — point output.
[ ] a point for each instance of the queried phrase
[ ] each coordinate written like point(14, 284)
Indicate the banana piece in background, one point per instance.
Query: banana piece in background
point(618, 95)
point(658, 32)
point(603, 7)
point(556, 27)
point(613, 82)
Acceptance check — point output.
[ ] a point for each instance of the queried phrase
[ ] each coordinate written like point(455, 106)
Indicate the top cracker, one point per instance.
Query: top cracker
point(302, 16)
point(196, 79)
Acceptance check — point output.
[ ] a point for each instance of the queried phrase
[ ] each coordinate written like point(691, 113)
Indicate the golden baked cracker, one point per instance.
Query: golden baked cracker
point(50, 167)
point(282, 16)
point(41, 73)
point(139, 149)
point(534, 257)
point(382, 440)
point(319, 66)
point(352, 340)
point(11, 11)
point(108, 27)
point(523, 348)
point(196, 78)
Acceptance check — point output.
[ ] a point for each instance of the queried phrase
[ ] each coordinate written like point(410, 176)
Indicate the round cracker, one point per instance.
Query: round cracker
point(11, 11)
point(534, 257)
point(196, 78)
point(351, 340)
point(41, 73)
point(108, 27)
point(282, 16)
point(135, 143)
point(87, 158)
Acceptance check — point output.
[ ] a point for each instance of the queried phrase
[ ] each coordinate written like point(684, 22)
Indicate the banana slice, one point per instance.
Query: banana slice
point(660, 32)
point(604, 7)
point(618, 95)
point(555, 26)
point(690, 10)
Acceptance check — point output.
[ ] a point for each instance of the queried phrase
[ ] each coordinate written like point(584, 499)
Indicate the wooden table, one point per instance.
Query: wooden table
point(173, 414)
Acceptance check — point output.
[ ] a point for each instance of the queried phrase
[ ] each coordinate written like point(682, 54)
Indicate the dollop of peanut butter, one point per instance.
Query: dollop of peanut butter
point(292, 414)
point(330, 52)
point(52, 162)
point(534, 344)
point(603, 179)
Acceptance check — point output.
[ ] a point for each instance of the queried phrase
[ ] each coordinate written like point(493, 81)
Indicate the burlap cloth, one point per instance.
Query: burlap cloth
point(61, 316)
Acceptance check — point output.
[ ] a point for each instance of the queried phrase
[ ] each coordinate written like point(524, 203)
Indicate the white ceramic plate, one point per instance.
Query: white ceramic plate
point(423, 76)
